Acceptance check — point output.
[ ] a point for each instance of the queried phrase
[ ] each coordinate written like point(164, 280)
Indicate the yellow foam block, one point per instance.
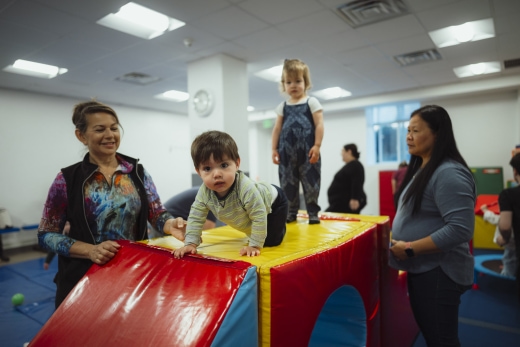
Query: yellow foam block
point(300, 240)
point(483, 234)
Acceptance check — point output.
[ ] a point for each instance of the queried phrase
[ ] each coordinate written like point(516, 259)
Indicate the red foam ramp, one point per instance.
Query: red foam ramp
point(145, 297)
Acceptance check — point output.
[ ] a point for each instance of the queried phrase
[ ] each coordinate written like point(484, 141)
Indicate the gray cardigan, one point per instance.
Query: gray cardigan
point(447, 215)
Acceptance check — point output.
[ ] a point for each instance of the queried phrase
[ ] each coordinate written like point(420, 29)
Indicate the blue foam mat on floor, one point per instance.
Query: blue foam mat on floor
point(481, 268)
point(19, 324)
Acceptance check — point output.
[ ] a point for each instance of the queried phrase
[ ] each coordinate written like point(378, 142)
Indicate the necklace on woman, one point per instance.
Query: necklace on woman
point(108, 176)
point(108, 172)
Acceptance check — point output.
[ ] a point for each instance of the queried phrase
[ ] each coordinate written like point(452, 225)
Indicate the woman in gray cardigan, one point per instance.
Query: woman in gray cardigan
point(434, 225)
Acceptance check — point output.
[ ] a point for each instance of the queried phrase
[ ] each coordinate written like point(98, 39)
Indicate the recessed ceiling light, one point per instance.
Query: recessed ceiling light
point(463, 33)
point(477, 69)
point(140, 21)
point(273, 74)
point(250, 108)
point(29, 68)
point(332, 93)
point(469, 31)
point(173, 95)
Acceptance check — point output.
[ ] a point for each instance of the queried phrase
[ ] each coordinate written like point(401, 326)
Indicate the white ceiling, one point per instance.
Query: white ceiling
point(260, 32)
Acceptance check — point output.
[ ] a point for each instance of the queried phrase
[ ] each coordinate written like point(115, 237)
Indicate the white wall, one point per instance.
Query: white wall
point(37, 139)
point(486, 128)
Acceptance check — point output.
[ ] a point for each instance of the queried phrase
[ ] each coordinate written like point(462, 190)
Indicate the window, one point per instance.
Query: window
point(387, 126)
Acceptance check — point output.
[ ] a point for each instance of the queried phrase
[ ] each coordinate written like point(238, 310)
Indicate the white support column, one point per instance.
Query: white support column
point(225, 79)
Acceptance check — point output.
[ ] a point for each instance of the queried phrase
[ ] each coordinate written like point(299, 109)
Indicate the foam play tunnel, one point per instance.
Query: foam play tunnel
point(315, 267)
point(325, 285)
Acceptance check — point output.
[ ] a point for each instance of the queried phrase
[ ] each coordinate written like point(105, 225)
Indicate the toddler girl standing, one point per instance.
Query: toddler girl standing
point(297, 136)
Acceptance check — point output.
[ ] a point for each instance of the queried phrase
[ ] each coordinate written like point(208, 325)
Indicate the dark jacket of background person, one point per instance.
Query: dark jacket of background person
point(346, 185)
point(509, 223)
point(179, 205)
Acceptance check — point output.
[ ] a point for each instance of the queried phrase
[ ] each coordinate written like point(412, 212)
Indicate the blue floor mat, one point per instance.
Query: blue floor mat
point(19, 324)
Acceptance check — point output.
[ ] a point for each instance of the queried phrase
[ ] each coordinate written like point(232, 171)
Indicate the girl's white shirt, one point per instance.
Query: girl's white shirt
point(314, 104)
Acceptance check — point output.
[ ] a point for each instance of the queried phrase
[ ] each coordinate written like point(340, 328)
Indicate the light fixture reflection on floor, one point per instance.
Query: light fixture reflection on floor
point(30, 68)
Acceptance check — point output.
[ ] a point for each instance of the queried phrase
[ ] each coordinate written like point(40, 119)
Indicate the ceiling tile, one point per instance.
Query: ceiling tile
point(260, 33)
point(230, 23)
point(286, 10)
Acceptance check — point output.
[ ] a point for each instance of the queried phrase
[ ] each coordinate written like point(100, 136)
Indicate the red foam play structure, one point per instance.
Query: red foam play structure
point(327, 284)
point(145, 297)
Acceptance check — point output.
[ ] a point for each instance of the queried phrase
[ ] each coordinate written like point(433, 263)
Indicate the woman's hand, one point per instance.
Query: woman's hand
point(175, 227)
point(354, 204)
point(104, 252)
point(250, 251)
point(188, 249)
point(398, 249)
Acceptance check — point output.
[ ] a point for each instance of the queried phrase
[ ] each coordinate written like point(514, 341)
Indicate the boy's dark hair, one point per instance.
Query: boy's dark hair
point(515, 163)
point(216, 143)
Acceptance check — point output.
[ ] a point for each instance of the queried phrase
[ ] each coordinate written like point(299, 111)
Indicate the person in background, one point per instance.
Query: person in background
point(509, 202)
point(434, 225)
point(346, 194)
point(257, 209)
point(398, 176)
point(106, 197)
point(509, 256)
point(179, 205)
point(296, 140)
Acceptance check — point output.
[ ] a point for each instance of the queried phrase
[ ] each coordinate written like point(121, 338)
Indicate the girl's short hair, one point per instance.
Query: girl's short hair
point(295, 68)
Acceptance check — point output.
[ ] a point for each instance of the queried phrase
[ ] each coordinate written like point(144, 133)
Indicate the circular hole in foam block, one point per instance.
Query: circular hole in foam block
point(342, 320)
